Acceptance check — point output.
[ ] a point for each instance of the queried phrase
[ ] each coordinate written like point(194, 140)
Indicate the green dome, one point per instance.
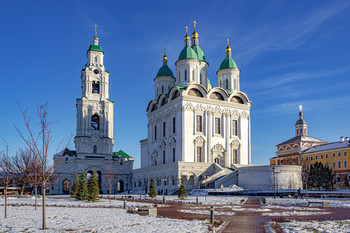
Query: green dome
point(228, 63)
point(165, 71)
point(94, 47)
point(199, 52)
point(188, 53)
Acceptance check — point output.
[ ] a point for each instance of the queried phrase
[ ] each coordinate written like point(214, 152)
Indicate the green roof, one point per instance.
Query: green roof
point(95, 47)
point(228, 63)
point(188, 53)
point(208, 81)
point(199, 52)
point(165, 71)
point(121, 154)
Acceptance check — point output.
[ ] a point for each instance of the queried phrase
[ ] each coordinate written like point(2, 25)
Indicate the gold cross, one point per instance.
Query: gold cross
point(95, 25)
point(195, 24)
point(228, 41)
point(164, 51)
point(186, 30)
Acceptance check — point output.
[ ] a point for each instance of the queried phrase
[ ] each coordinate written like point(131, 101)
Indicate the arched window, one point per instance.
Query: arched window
point(96, 59)
point(96, 87)
point(94, 149)
point(185, 75)
point(121, 161)
point(66, 160)
point(226, 83)
point(95, 122)
point(65, 186)
point(162, 89)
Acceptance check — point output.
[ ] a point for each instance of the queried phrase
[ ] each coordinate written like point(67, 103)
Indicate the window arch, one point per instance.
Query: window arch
point(96, 87)
point(216, 96)
point(94, 149)
point(195, 92)
point(237, 99)
point(95, 122)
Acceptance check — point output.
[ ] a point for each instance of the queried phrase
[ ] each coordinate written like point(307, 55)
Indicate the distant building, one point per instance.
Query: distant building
point(304, 150)
point(288, 152)
point(94, 136)
point(334, 155)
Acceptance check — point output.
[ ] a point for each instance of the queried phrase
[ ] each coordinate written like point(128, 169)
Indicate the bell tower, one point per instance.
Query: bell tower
point(94, 136)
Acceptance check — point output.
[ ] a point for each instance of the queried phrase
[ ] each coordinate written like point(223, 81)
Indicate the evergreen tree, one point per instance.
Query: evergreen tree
point(93, 187)
point(320, 176)
point(82, 187)
point(346, 183)
point(152, 189)
point(182, 191)
point(74, 189)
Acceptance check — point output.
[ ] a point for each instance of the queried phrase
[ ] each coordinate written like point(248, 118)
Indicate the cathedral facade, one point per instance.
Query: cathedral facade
point(94, 133)
point(196, 132)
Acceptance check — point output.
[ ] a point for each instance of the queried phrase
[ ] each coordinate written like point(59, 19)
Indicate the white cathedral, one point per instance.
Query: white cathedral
point(195, 131)
point(94, 134)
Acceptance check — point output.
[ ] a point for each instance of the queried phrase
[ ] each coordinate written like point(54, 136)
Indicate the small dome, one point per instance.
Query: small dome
point(199, 52)
point(187, 37)
point(195, 35)
point(228, 63)
point(188, 53)
point(301, 122)
point(165, 71)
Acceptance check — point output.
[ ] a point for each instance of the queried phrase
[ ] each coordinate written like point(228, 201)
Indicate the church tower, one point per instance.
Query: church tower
point(94, 136)
point(300, 125)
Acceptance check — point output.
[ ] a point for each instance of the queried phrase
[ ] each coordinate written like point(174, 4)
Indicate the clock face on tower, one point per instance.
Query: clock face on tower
point(96, 71)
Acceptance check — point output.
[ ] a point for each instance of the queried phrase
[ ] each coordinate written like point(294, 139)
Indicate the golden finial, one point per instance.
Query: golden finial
point(195, 34)
point(95, 37)
point(187, 37)
point(165, 57)
point(228, 49)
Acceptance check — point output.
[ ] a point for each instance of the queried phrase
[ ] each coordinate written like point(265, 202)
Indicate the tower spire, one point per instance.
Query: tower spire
point(300, 125)
point(187, 38)
point(195, 40)
point(228, 48)
point(165, 58)
point(95, 39)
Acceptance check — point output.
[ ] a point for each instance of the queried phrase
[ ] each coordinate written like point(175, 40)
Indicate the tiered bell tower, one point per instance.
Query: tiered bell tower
point(94, 136)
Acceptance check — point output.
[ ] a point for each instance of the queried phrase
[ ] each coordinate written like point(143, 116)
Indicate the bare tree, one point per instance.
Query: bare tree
point(110, 178)
point(22, 162)
point(8, 172)
point(39, 141)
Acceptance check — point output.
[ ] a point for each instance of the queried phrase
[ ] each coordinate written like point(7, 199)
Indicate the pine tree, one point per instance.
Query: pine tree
point(93, 187)
point(74, 189)
point(82, 187)
point(320, 176)
point(346, 182)
point(152, 189)
point(182, 191)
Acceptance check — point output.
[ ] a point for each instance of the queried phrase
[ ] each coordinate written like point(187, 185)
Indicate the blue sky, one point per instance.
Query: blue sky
point(289, 53)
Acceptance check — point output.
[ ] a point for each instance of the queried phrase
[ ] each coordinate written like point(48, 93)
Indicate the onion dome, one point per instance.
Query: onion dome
point(95, 46)
point(187, 52)
point(228, 62)
point(300, 121)
point(165, 70)
point(199, 52)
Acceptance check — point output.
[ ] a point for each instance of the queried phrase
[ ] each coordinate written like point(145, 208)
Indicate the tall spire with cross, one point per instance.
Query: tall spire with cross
point(95, 39)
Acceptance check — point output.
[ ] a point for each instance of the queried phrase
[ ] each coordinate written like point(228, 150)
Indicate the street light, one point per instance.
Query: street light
point(164, 183)
point(205, 188)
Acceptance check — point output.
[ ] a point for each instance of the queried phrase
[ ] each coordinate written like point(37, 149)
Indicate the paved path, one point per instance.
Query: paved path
point(246, 222)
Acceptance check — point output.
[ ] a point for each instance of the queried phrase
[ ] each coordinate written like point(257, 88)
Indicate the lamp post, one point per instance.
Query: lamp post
point(205, 188)
point(164, 183)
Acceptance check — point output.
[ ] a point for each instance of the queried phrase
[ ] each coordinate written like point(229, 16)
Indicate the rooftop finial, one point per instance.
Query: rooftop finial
point(164, 51)
point(165, 58)
point(95, 39)
point(300, 108)
point(195, 25)
point(228, 49)
point(228, 42)
point(187, 38)
point(186, 30)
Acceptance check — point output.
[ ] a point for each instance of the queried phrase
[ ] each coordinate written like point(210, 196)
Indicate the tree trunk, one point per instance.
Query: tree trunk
point(110, 194)
point(36, 196)
point(44, 208)
point(5, 201)
point(22, 189)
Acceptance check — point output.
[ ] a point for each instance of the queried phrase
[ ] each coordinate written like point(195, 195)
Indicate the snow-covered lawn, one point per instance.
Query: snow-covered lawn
point(98, 219)
point(294, 213)
point(343, 203)
point(206, 212)
point(313, 226)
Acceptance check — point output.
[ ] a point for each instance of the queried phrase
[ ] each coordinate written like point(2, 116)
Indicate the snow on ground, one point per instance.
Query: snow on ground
point(70, 202)
point(206, 212)
point(291, 207)
point(294, 213)
point(341, 202)
point(339, 226)
point(250, 209)
point(67, 219)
